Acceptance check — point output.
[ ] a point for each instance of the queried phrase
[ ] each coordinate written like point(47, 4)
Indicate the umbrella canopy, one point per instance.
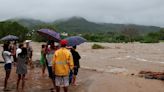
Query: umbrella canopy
point(10, 38)
point(50, 34)
point(75, 40)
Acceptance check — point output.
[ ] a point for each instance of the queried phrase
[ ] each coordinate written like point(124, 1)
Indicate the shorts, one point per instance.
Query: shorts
point(76, 70)
point(8, 66)
point(51, 74)
point(62, 81)
point(70, 76)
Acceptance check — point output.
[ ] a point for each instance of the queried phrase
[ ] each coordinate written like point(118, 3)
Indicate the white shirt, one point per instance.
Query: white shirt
point(49, 57)
point(18, 51)
point(7, 57)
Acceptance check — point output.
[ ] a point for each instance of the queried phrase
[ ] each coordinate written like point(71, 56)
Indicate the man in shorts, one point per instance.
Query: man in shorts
point(62, 64)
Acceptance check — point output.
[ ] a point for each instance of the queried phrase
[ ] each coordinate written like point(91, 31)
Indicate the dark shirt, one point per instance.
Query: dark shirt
point(76, 58)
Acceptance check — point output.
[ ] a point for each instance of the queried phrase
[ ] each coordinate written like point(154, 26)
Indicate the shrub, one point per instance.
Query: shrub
point(97, 46)
point(152, 37)
point(149, 40)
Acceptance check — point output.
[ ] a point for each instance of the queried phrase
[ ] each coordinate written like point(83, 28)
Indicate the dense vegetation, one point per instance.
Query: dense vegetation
point(152, 37)
point(26, 29)
point(13, 28)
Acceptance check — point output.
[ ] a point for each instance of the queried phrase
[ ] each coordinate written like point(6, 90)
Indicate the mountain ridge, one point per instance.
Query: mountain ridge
point(79, 24)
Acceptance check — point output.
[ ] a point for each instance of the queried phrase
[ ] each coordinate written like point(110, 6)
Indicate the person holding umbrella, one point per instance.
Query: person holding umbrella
point(62, 64)
point(49, 57)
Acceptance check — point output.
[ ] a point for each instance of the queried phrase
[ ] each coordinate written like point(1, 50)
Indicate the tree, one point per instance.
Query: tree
point(13, 28)
point(161, 34)
point(130, 33)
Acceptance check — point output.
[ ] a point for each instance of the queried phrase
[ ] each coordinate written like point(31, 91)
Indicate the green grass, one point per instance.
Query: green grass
point(97, 46)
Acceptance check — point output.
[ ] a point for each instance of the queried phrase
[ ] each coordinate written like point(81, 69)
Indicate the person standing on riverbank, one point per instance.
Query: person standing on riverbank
point(62, 64)
point(49, 57)
point(21, 67)
point(29, 53)
point(76, 58)
point(7, 56)
point(43, 59)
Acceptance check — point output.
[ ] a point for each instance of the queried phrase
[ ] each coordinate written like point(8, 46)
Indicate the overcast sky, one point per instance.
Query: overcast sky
point(144, 12)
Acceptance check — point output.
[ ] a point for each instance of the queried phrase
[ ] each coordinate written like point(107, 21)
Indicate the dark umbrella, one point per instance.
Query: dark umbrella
point(50, 34)
point(75, 40)
point(10, 38)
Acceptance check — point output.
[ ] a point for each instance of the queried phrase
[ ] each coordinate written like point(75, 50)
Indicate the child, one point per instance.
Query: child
point(43, 59)
point(21, 67)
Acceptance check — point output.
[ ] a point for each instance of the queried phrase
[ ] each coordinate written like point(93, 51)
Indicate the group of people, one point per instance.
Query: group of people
point(62, 63)
point(18, 56)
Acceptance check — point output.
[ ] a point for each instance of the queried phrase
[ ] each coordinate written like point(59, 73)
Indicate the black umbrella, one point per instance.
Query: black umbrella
point(9, 38)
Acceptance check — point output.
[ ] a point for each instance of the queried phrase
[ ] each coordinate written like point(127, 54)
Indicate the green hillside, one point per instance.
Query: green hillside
point(96, 32)
point(81, 25)
point(13, 28)
point(29, 23)
point(76, 24)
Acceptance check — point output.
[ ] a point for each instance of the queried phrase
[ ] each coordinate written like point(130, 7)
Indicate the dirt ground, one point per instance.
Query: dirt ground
point(104, 70)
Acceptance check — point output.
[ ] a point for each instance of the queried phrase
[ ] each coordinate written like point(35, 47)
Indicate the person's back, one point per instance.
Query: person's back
point(21, 67)
point(62, 64)
point(22, 61)
point(63, 61)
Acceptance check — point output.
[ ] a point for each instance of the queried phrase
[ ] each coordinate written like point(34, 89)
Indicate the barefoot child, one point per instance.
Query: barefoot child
point(21, 67)
point(43, 59)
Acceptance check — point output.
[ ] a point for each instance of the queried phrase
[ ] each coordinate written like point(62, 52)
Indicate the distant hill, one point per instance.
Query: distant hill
point(78, 24)
point(81, 25)
point(29, 23)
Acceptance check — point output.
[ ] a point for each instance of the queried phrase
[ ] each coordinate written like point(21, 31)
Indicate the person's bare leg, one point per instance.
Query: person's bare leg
point(23, 81)
point(6, 78)
point(30, 63)
point(74, 80)
point(53, 81)
point(43, 69)
point(18, 81)
point(65, 89)
point(57, 89)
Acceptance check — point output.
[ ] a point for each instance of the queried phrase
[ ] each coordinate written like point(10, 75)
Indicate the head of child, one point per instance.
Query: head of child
point(23, 52)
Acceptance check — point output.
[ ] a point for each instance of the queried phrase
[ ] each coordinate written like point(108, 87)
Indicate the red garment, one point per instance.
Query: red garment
point(63, 42)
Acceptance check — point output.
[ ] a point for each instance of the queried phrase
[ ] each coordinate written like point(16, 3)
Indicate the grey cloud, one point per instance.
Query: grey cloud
point(146, 12)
